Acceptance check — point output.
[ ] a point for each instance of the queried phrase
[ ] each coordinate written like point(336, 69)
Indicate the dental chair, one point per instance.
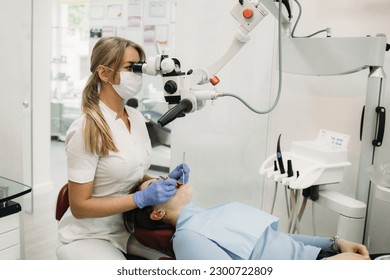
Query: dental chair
point(159, 240)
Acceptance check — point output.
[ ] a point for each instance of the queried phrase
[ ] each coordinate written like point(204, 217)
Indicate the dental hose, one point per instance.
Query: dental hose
point(293, 210)
point(296, 23)
point(300, 215)
point(312, 193)
point(276, 189)
point(287, 204)
point(274, 199)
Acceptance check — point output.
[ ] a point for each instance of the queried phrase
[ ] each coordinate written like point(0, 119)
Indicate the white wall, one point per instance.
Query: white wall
point(41, 95)
point(224, 143)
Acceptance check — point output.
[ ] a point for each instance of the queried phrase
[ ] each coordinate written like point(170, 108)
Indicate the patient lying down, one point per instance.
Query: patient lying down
point(234, 231)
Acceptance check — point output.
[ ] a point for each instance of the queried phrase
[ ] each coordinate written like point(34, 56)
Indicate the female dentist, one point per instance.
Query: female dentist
point(108, 151)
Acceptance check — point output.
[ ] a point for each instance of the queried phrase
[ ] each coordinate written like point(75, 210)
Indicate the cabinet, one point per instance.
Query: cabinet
point(10, 219)
point(10, 240)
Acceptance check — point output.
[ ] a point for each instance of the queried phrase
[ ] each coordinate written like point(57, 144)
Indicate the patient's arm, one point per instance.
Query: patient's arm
point(344, 246)
point(316, 241)
point(190, 245)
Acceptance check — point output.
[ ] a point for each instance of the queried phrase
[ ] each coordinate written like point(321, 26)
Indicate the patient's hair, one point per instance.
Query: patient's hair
point(141, 217)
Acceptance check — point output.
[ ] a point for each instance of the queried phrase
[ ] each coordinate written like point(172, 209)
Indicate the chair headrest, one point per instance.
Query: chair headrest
point(158, 239)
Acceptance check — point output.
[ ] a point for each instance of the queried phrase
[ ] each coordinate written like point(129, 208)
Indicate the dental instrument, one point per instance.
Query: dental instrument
point(184, 157)
point(178, 184)
point(280, 157)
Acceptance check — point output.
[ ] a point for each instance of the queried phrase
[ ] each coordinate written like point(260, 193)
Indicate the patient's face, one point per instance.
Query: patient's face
point(183, 194)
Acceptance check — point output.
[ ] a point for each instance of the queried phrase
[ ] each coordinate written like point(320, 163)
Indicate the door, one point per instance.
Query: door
point(15, 78)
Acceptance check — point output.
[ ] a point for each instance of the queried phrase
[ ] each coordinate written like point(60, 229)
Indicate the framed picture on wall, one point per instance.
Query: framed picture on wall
point(149, 34)
point(114, 11)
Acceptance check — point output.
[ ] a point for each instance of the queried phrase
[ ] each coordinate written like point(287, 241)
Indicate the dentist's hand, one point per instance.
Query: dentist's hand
point(181, 173)
point(158, 192)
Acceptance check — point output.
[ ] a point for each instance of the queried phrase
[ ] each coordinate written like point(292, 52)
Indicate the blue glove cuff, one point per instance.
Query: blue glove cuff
point(138, 199)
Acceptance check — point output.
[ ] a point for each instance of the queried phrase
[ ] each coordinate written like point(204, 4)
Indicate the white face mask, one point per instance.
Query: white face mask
point(129, 85)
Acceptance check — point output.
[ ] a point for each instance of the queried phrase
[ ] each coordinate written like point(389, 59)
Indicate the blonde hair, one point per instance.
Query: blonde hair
point(97, 134)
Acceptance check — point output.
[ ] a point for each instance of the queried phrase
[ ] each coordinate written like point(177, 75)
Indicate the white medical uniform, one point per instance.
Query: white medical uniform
point(112, 175)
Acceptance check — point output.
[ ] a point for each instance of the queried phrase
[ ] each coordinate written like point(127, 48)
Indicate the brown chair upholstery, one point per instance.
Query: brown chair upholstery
point(62, 202)
point(159, 240)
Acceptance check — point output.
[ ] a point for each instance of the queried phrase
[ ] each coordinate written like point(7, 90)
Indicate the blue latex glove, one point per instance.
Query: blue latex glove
point(180, 171)
point(156, 193)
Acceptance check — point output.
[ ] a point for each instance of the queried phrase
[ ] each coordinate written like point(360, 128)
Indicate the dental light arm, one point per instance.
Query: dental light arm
point(179, 89)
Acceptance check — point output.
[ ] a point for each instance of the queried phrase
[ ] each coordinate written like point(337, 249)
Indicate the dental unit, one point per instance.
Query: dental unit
point(315, 164)
point(320, 162)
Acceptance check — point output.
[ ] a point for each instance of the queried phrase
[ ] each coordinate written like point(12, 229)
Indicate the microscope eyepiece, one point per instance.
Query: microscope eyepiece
point(137, 67)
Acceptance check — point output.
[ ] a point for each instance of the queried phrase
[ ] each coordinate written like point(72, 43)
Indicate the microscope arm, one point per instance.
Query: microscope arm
point(248, 14)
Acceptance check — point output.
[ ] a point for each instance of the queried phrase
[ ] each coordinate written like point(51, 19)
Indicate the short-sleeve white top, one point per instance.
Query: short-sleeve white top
point(112, 175)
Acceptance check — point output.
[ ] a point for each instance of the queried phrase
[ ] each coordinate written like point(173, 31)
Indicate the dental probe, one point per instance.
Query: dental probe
point(184, 157)
point(178, 184)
